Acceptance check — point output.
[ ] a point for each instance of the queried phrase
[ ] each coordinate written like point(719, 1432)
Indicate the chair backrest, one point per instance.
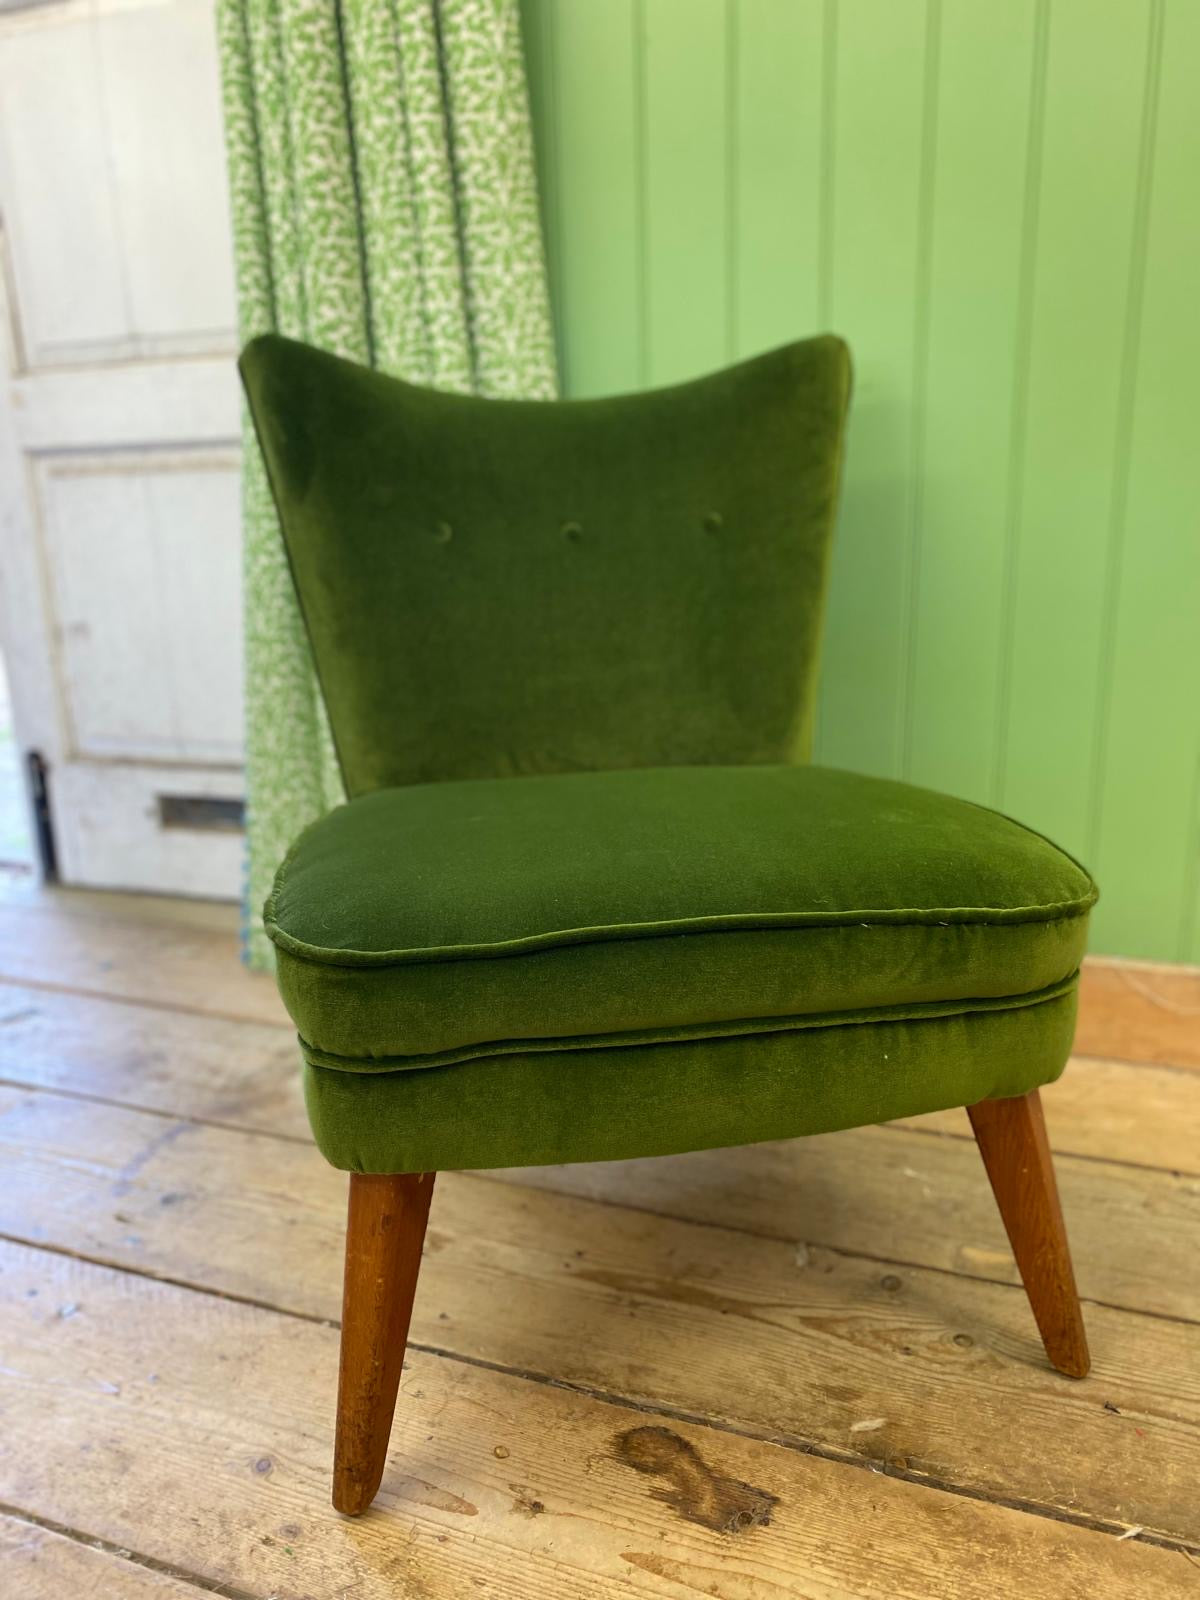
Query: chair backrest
point(497, 587)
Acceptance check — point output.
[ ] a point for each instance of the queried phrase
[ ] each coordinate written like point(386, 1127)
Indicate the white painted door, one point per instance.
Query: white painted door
point(119, 459)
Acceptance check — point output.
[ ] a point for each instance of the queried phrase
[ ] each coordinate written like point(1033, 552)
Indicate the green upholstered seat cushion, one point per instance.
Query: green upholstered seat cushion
point(433, 925)
point(542, 1107)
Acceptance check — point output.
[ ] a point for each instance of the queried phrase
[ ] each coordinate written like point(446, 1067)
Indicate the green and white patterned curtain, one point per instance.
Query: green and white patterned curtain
point(385, 207)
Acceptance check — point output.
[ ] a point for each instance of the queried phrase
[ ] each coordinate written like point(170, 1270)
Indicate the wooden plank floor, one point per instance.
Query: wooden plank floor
point(821, 1347)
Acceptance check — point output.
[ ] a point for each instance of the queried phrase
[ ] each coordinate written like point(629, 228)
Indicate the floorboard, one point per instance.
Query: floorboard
point(893, 1194)
point(40, 1564)
point(822, 1343)
point(904, 1180)
point(180, 965)
point(1122, 1111)
point(701, 1320)
point(182, 1063)
point(196, 1431)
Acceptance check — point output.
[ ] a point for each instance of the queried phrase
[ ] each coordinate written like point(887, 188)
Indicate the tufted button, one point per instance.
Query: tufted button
point(714, 521)
point(572, 531)
point(443, 533)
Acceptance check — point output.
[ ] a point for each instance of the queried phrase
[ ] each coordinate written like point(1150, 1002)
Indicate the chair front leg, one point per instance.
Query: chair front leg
point(385, 1230)
point(1011, 1135)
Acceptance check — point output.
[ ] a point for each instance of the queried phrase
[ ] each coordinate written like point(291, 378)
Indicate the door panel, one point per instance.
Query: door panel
point(119, 426)
point(131, 542)
point(113, 184)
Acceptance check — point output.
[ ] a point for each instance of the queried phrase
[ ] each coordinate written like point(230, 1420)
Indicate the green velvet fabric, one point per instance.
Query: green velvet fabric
point(584, 901)
point(503, 587)
point(431, 924)
point(593, 1105)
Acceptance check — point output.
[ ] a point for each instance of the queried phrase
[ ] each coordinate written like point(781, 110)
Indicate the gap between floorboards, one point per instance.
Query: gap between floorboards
point(785, 1441)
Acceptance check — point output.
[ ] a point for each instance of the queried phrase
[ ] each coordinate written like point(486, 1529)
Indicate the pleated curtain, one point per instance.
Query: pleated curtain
point(385, 207)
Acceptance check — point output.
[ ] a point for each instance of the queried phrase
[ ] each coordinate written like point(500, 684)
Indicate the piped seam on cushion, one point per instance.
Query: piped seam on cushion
point(734, 922)
point(693, 1032)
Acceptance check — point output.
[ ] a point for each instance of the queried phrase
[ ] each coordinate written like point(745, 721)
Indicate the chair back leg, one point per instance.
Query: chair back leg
point(385, 1230)
point(1011, 1135)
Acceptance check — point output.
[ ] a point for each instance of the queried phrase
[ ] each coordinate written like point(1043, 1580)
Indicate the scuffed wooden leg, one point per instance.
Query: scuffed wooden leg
point(384, 1233)
point(1011, 1135)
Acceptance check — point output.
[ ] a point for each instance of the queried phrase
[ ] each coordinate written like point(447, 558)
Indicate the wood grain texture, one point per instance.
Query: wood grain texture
point(1110, 1111)
point(1011, 1135)
point(385, 1229)
point(499, 1485)
point(1139, 1011)
point(186, 1064)
point(115, 905)
point(713, 1313)
point(37, 1564)
point(884, 1193)
point(188, 966)
point(699, 1319)
point(892, 1194)
point(902, 1182)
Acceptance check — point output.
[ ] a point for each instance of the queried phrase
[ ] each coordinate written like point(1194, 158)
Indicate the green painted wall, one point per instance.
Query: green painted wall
point(998, 203)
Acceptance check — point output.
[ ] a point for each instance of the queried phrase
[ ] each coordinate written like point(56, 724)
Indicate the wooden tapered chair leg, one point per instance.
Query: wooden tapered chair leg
point(385, 1229)
point(1011, 1135)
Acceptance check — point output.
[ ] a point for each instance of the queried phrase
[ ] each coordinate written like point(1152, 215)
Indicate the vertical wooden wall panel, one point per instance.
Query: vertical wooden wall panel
point(686, 179)
point(997, 204)
point(988, 69)
point(1145, 845)
point(878, 105)
point(778, 149)
point(584, 85)
point(1087, 238)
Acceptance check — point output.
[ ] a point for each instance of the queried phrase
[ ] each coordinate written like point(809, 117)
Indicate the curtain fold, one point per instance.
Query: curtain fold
point(385, 207)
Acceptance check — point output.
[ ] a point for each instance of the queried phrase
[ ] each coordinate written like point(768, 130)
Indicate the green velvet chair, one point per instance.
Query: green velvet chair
point(587, 900)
